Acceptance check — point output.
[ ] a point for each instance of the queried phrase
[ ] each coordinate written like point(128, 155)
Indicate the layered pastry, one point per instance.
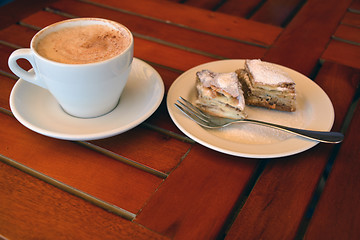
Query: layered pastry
point(220, 94)
point(265, 85)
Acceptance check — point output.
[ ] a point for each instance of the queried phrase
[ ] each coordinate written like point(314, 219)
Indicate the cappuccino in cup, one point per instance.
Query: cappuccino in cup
point(83, 44)
point(83, 62)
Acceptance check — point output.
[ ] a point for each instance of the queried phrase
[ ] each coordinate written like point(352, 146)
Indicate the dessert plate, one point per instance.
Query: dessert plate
point(314, 112)
point(36, 108)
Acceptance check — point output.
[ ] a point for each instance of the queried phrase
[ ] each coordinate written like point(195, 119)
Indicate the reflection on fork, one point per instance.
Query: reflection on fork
point(209, 121)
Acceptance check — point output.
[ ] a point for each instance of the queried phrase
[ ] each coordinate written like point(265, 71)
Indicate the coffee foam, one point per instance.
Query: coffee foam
point(83, 44)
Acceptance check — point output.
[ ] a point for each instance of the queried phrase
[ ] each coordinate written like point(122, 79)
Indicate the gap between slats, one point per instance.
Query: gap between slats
point(121, 158)
point(162, 21)
point(258, 10)
point(320, 187)
point(100, 203)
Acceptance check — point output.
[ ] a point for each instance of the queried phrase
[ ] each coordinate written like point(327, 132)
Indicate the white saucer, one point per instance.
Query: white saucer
point(314, 112)
point(36, 109)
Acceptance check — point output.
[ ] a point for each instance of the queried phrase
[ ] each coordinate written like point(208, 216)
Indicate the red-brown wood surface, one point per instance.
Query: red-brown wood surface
point(277, 12)
point(200, 20)
point(337, 213)
point(6, 85)
point(153, 182)
point(32, 202)
point(309, 34)
point(276, 200)
point(348, 33)
point(18, 9)
point(201, 178)
point(240, 8)
point(338, 49)
point(204, 4)
point(81, 168)
point(351, 18)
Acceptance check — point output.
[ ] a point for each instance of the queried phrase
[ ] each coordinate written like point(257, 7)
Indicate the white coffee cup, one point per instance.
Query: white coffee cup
point(84, 90)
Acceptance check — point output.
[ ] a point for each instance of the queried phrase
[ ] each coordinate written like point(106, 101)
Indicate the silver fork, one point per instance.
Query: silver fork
point(209, 121)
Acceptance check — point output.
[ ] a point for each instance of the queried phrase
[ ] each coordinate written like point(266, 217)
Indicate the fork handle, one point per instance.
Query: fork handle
point(326, 137)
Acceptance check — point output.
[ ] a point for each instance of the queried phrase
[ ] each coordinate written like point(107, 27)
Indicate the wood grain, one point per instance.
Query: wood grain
point(159, 31)
point(84, 169)
point(201, 190)
point(164, 156)
point(240, 8)
point(351, 18)
point(277, 12)
point(310, 39)
point(279, 199)
point(201, 19)
point(348, 33)
point(18, 9)
point(343, 53)
point(203, 4)
point(32, 209)
point(337, 213)
point(197, 197)
point(6, 85)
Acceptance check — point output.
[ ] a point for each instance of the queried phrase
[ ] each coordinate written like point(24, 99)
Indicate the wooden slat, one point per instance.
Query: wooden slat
point(168, 56)
point(352, 19)
point(310, 39)
point(277, 12)
point(5, 51)
point(18, 9)
point(343, 53)
point(175, 36)
point(345, 46)
point(33, 209)
point(200, 19)
point(22, 37)
point(239, 8)
point(72, 164)
point(348, 33)
point(331, 78)
point(6, 85)
point(204, 4)
point(42, 19)
point(279, 199)
point(338, 215)
point(197, 197)
point(175, 207)
point(277, 203)
point(162, 119)
point(164, 156)
point(355, 5)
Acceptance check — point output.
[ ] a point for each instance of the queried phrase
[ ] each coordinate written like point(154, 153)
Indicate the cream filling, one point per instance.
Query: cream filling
point(270, 91)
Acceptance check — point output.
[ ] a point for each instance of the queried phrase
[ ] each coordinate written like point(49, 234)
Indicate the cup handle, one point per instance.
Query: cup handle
point(32, 77)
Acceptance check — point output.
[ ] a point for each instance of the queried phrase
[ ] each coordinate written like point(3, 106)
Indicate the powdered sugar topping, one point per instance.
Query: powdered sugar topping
point(267, 73)
point(227, 82)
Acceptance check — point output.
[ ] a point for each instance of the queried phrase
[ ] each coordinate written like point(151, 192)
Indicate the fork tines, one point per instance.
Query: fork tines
point(192, 112)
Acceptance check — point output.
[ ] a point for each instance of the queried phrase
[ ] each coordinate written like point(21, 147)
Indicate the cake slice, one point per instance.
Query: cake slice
point(220, 94)
point(266, 85)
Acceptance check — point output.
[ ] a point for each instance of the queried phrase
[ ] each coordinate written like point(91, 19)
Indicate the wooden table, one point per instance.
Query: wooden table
point(153, 182)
